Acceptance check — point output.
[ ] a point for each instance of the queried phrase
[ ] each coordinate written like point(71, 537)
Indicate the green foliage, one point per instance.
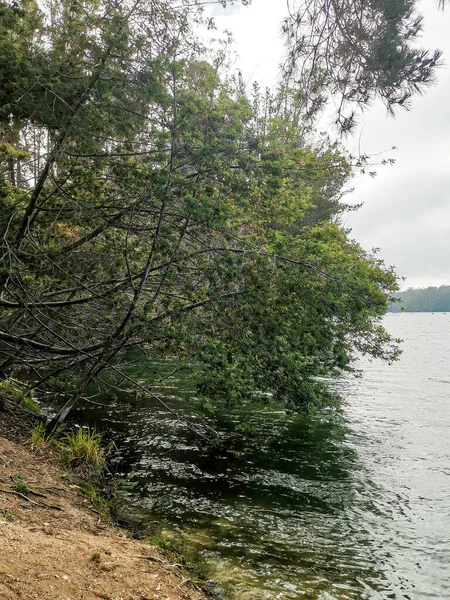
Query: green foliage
point(354, 51)
point(20, 485)
point(39, 437)
point(29, 403)
point(296, 327)
point(161, 542)
point(83, 452)
point(7, 152)
point(94, 494)
point(95, 558)
point(9, 388)
point(146, 201)
point(6, 515)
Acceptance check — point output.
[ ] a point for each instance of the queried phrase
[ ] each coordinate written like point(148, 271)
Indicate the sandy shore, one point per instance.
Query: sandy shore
point(53, 546)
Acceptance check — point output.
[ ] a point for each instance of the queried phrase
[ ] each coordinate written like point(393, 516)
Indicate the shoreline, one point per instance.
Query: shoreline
point(55, 545)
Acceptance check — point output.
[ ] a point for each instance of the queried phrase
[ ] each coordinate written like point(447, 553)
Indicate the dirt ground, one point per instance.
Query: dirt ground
point(54, 547)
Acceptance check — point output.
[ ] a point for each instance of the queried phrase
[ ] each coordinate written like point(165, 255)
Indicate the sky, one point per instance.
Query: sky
point(406, 208)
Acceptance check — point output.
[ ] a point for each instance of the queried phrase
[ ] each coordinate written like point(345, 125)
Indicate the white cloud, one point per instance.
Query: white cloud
point(231, 9)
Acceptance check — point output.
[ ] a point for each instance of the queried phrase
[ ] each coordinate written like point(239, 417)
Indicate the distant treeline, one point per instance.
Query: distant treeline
point(430, 299)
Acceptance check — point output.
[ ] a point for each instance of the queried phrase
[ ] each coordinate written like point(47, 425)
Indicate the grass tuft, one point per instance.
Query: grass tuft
point(12, 390)
point(29, 403)
point(95, 558)
point(39, 438)
point(100, 504)
point(82, 450)
point(161, 542)
point(5, 515)
point(21, 486)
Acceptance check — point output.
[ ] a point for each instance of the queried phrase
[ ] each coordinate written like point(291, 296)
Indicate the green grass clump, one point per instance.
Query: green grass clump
point(39, 437)
point(161, 542)
point(84, 455)
point(5, 515)
point(101, 505)
point(29, 403)
point(10, 389)
point(21, 486)
point(82, 450)
point(95, 558)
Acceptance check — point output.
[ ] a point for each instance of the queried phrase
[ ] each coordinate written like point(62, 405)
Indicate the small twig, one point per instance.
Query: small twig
point(54, 490)
point(37, 494)
point(41, 504)
point(153, 558)
point(143, 556)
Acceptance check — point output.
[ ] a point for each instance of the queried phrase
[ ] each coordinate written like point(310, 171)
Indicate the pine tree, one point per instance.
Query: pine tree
point(354, 51)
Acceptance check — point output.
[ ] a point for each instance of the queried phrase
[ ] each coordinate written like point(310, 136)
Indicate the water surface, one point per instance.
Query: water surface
point(353, 507)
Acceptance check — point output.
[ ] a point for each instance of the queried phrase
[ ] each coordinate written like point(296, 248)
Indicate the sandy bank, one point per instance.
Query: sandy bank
point(54, 547)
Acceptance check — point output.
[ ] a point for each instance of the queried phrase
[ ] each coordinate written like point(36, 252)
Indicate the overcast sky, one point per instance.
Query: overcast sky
point(406, 208)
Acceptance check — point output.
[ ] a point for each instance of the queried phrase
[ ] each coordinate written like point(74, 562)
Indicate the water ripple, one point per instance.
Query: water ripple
point(337, 508)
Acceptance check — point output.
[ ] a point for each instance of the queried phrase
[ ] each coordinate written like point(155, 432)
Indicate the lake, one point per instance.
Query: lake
point(352, 506)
